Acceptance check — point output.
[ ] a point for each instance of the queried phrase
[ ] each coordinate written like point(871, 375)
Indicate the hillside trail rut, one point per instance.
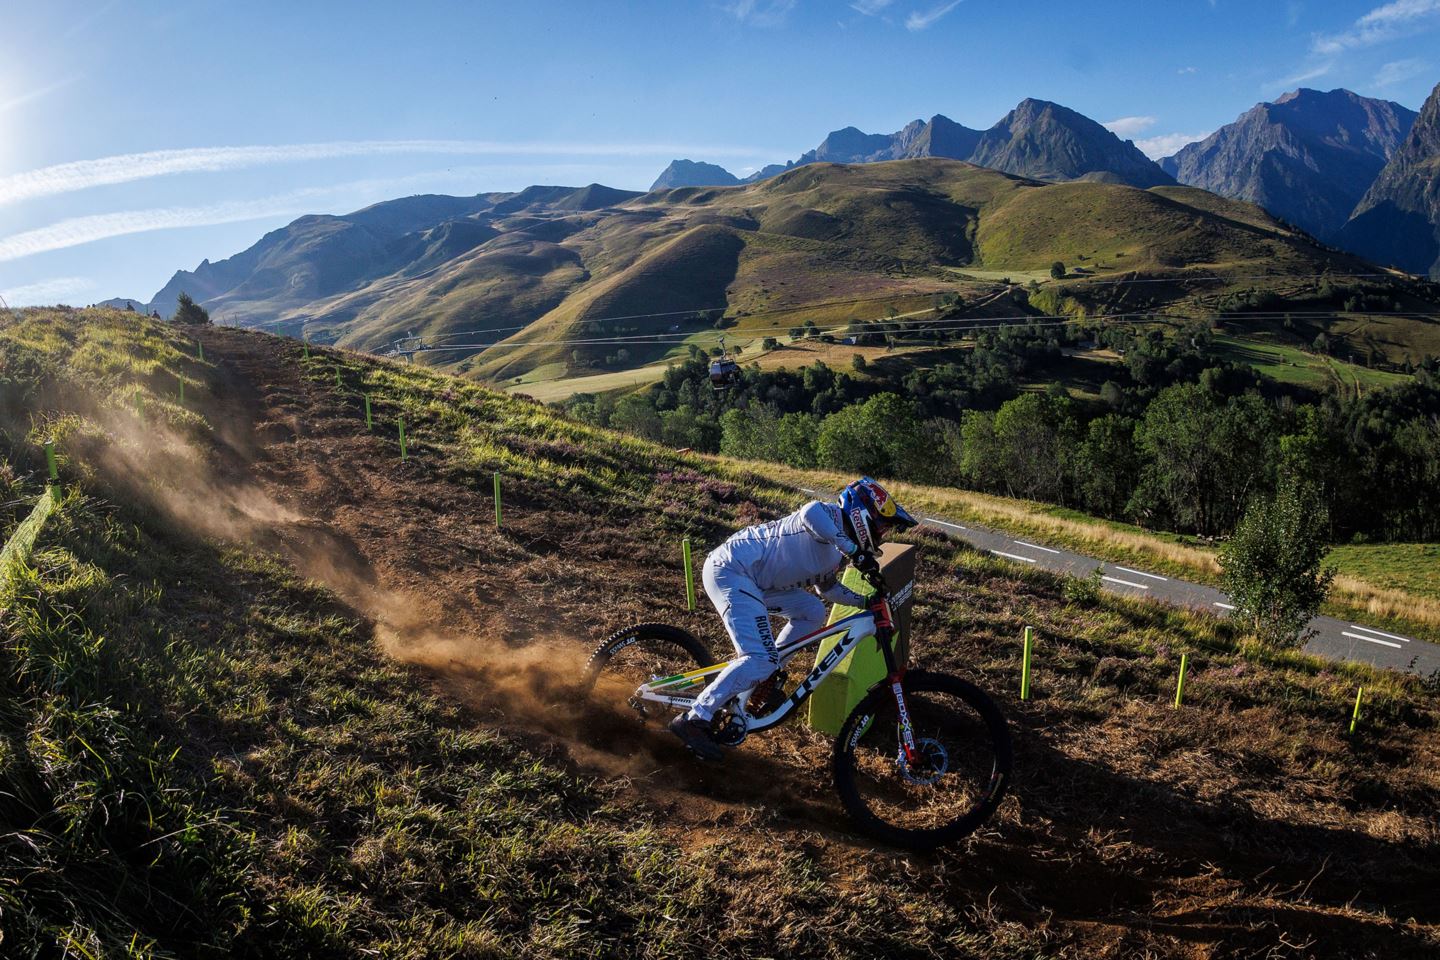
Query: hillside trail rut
point(504, 619)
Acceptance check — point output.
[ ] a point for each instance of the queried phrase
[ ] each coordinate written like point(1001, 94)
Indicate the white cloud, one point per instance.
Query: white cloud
point(1398, 71)
point(761, 13)
point(81, 230)
point(1388, 22)
point(1127, 127)
point(1302, 77)
point(870, 7)
point(1167, 144)
point(920, 21)
point(1184, 70)
point(124, 168)
point(51, 291)
point(20, 99)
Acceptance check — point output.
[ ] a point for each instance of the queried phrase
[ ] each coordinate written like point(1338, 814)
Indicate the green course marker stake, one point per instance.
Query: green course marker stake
point(202, 350)
point(337, 378)
point(139, 404)
point(182, 389)
point(1180, 684)
point(1354, 717)
point(369, 421)
point(497, 499)
point(54, 472)
point(402, 440)
point(689, 576)
point(306, 345)
point(1025, 665)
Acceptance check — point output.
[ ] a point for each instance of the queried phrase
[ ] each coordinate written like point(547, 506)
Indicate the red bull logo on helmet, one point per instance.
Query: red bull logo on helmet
point(883, 504)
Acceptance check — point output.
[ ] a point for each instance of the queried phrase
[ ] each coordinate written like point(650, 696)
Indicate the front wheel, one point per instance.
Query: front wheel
point(957, 779)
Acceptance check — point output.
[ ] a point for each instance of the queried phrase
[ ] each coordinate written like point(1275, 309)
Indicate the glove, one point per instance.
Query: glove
point(866, 563)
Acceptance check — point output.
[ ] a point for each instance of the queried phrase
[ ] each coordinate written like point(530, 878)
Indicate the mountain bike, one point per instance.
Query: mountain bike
point(922, 760)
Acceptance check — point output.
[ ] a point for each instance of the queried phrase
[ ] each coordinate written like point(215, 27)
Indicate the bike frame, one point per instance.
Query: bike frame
point(849, 631)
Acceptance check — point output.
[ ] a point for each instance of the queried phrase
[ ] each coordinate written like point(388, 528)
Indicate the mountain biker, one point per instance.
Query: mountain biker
point(770, 568)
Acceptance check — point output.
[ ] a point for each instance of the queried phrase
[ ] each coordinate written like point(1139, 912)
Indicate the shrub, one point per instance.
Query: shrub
point(188, 311)
point(1082, 591)
point(1273, 565)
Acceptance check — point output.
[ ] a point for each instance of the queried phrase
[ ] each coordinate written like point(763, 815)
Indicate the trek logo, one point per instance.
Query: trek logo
point(822, 667)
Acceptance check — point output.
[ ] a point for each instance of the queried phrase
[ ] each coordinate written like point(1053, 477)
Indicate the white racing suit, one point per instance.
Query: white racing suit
point(770, 568)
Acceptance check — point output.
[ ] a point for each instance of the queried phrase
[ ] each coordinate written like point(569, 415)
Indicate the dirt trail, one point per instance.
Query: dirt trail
point(414, 548)
point(504, 618)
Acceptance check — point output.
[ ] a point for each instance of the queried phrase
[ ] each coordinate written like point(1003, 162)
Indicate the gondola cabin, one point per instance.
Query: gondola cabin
point(724, 373)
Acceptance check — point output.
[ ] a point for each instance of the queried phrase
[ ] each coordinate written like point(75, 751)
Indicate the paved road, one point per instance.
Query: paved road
point(1336, 639)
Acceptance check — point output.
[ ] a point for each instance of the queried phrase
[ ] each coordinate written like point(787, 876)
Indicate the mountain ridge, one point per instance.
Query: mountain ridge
point(1037, 139)
point(1308, 156)
point(1398, 219)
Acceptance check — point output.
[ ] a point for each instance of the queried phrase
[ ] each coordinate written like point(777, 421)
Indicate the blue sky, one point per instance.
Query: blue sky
point(138, 137)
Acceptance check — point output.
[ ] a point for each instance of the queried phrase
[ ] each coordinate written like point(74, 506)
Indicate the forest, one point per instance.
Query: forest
point(1180, 439)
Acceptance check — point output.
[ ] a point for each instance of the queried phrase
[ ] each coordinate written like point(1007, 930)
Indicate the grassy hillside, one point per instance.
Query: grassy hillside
point(549, 269)
point(214, 744)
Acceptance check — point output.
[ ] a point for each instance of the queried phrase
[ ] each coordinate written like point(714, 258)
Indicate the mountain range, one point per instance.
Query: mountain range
point(546, 270)
point(1317, 159)
point(1307, 158)
point(1038, 139)
point(862, 215)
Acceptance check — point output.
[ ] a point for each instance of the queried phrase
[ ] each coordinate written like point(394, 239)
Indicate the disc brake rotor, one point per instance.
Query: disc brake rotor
point(933, 762)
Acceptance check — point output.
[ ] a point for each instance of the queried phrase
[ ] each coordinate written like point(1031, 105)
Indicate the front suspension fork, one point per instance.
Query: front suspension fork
point(895, 673)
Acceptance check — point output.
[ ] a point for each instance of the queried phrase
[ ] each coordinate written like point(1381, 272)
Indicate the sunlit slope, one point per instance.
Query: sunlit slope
point(826, 231)
point(541, 269)
point(1159, 229)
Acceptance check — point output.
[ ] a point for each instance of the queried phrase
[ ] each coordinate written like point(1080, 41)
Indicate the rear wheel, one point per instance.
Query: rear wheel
point(960, 774)
point(639, 654)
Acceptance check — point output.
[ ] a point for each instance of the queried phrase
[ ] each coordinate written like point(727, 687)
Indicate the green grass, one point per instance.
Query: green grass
point(1411, 567)
point(1287, 364)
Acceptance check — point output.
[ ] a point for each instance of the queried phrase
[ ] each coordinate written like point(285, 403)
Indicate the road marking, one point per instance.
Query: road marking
point(1141, 573)
point(1224, 606)
point(1035, 546)
point(1013, 556)
point(944, 523)
point(1378, 633)
point(1361, 636)
point(1128, 583)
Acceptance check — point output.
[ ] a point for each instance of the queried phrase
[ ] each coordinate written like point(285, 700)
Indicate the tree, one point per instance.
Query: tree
point(858, 363)
point(1273, 565)
point(1057, 270)
point(1204, 456)
point(880, 436)
point(635, 415)
point(1106, 468)
point(188, 311)
point(769, 343)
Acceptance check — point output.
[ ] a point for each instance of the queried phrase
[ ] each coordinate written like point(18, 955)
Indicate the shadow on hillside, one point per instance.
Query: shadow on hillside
point(1146, 855)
